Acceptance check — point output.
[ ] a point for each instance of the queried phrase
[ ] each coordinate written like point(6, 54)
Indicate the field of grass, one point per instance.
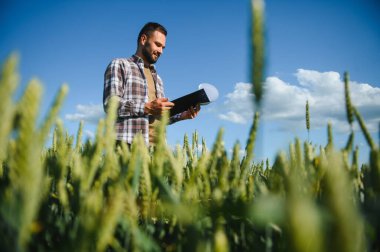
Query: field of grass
point(94, 196)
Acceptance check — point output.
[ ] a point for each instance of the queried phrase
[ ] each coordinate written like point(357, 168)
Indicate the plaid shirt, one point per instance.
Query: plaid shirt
point(125, 79)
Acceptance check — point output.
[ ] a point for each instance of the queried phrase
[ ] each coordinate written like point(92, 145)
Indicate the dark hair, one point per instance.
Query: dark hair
point(151, 27)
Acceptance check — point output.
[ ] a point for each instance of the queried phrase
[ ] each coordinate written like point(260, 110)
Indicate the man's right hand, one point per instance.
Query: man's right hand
point(157, 106)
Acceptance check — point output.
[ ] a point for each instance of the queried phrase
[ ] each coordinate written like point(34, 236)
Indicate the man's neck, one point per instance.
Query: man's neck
point(147, 65)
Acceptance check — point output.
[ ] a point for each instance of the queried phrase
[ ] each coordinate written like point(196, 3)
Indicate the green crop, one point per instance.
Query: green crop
point(99, 196)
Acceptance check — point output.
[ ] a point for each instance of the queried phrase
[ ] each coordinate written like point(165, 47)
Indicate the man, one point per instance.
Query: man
point(139, 89)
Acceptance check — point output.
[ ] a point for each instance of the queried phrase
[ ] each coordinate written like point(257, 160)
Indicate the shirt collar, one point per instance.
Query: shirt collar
point(138, 60)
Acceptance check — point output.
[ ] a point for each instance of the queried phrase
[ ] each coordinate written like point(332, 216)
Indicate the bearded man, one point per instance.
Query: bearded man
point(139, 89)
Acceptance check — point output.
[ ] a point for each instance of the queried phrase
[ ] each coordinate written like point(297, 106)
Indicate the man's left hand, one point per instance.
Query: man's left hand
point(191, 113)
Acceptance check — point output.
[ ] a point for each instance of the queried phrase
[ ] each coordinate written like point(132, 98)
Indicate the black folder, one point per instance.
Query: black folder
point(190, 100)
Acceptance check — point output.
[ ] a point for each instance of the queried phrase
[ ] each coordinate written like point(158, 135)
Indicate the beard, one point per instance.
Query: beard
point(148, 56)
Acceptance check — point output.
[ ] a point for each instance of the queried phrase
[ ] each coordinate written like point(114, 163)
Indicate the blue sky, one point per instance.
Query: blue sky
point(309, 44)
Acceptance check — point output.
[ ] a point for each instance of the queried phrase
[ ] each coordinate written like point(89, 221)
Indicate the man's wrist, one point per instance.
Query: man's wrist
point(182, 116)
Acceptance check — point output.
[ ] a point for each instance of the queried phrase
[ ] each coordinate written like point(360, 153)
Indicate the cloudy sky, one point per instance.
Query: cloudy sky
point(309, 45)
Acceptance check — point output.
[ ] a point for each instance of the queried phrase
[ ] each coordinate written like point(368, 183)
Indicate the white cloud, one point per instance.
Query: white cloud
point(238, 104)
point(234, 117)
point(285, 102)
point(88, 113)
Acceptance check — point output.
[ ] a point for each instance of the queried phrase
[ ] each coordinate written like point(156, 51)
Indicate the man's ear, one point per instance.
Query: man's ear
point(143, 39)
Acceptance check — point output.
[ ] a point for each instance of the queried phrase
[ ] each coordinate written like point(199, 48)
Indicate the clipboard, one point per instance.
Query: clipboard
point(207, 93)
point(185, 102)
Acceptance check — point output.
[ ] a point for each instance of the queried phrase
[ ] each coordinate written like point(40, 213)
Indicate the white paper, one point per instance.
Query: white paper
point(211, 91)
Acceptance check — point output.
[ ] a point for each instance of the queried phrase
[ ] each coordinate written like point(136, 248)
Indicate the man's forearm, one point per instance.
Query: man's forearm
point(129, 108)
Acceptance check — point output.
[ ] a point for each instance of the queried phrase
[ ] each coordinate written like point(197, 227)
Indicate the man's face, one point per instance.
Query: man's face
point(153, 46)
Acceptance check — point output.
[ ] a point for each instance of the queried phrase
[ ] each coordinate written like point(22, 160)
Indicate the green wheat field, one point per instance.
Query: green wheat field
point(94, 196)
